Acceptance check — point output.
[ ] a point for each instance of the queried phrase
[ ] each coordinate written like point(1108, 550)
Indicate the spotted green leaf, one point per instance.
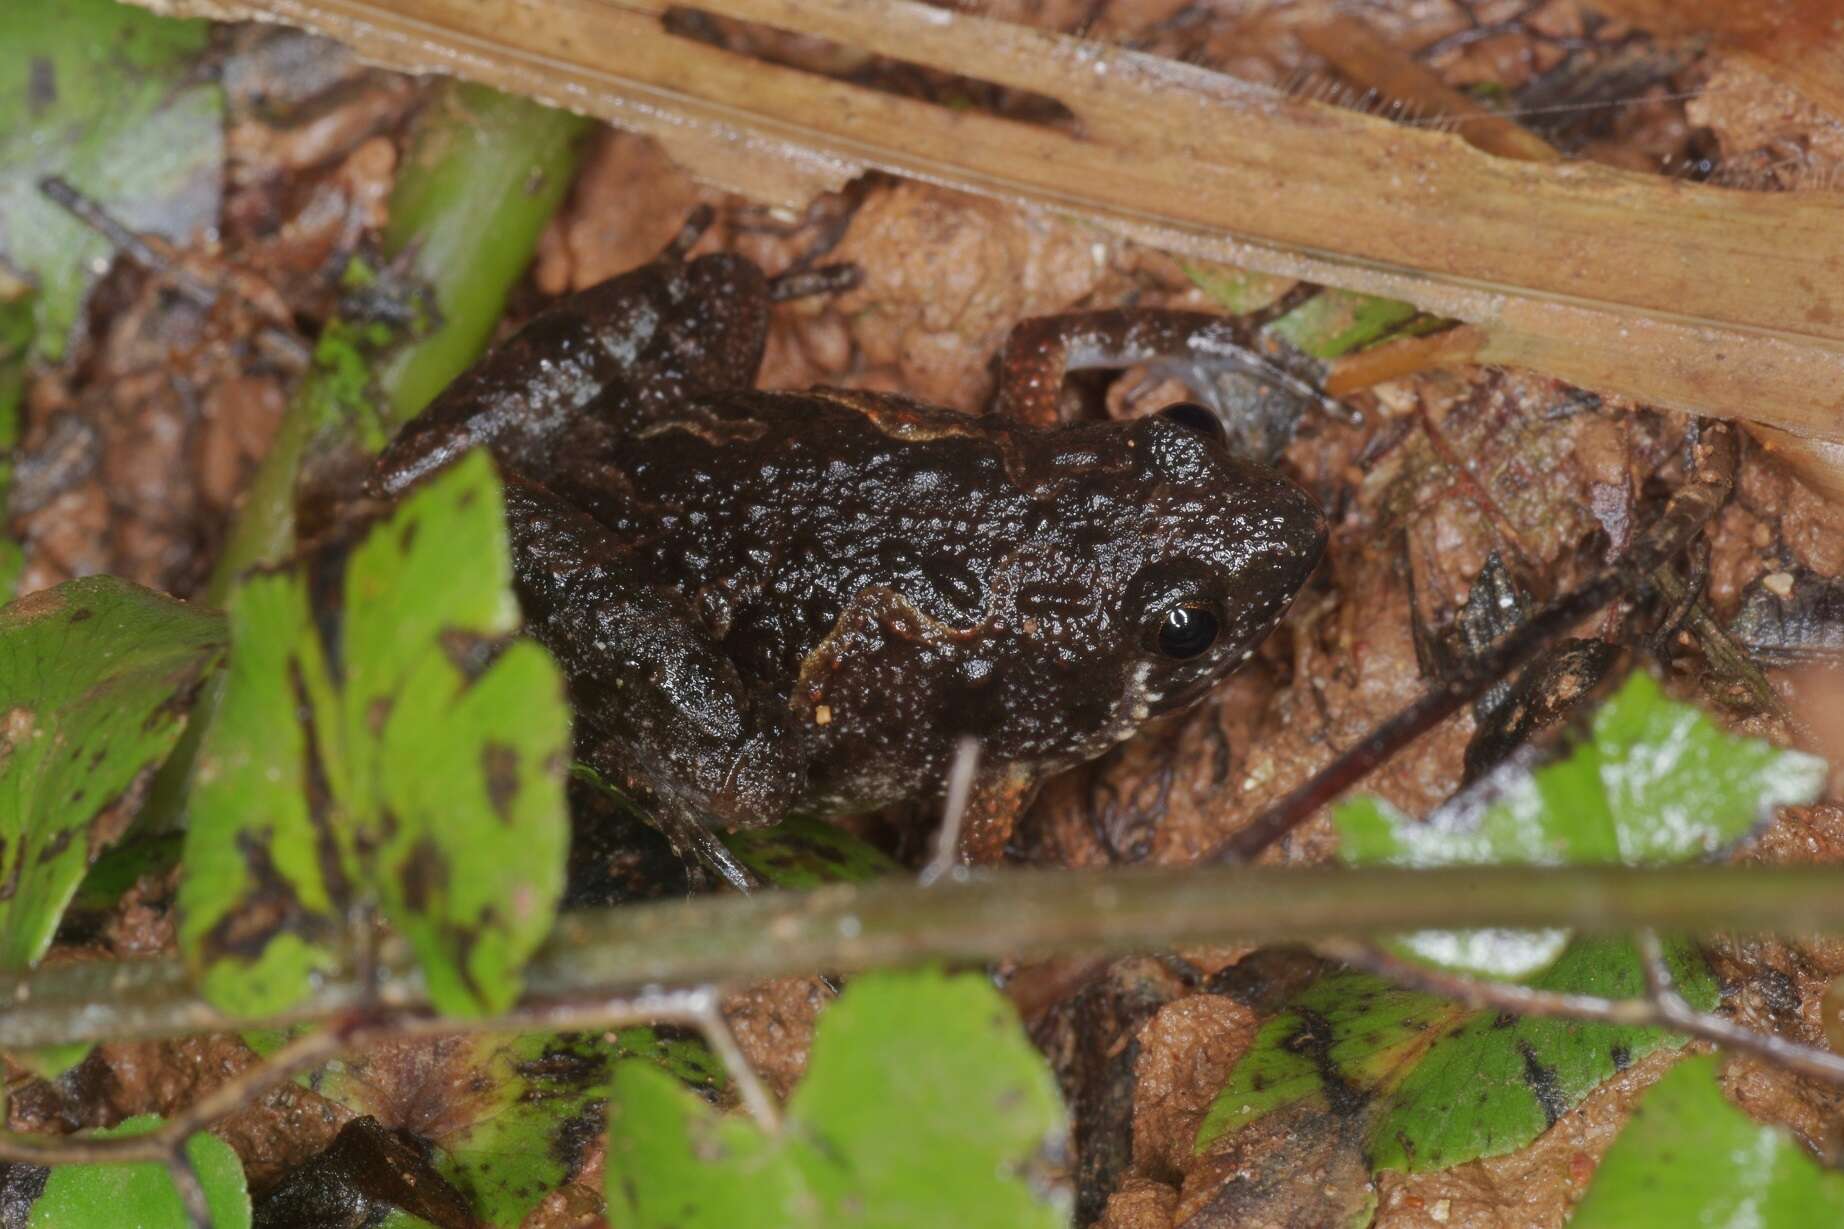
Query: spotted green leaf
point(140, 1194)
point(95, 679)
point(107, 96)
point(405, 750)
point(923, 1105)
point(1655, 782)
point(509, 1119)
point(1428, 1084)
point(1688, 1157)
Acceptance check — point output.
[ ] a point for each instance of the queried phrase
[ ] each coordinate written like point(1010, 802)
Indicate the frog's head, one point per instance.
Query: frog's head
point(1161, 569)
point(1224, 545)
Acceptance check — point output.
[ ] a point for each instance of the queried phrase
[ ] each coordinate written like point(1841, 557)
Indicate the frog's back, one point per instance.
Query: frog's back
point(771, 510)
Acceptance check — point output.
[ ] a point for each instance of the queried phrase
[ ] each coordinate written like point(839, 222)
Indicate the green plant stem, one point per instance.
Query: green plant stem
point(482, 174)
point(845, 928)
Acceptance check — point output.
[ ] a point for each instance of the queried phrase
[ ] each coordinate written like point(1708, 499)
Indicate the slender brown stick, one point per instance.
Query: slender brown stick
point(697, 1008)
point(1662, 1007)
point(843, 928)
point(192, 1198)
point(1689, 509)
point(160, 1144)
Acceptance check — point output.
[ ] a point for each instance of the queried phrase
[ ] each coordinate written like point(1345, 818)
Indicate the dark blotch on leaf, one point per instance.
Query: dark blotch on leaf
point(56, 845)
point(499, 764)
point(561, 1070)
point(81, 613)
point(470, 654)
point(41, 83)
point(313, 773)
point(1313, 1041)
point(269, 907)
point(1543, 1085)
point(326, 584)
point(576, 1134)
point(1621, 1057)
point(424, 874)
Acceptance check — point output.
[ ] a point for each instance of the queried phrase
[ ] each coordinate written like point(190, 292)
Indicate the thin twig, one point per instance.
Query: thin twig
point(160, 1144)
point(124, 239)
point(709, 1019)
point(992, 914)
point(945, 860)
point(184, 1174)
point(1689, 509)
point(1662, 1007)
point(697, 1008)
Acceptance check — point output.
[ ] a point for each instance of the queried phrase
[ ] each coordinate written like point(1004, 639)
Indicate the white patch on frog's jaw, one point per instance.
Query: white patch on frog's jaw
point(1133, 707)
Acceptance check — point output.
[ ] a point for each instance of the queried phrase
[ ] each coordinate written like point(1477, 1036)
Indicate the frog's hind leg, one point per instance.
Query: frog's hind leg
point(662, 713)
point(1206, 352)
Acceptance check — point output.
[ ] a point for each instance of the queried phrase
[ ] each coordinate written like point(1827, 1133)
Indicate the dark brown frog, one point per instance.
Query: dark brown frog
point(773, 602)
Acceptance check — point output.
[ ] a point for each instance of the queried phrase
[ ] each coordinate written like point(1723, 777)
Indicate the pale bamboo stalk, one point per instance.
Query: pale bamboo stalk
point(1684, 295)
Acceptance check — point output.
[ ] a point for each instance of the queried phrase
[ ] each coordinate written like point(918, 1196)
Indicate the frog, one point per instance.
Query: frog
point(777, 602)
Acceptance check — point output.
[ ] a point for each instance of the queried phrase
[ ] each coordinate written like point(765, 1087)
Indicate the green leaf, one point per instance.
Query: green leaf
point(523, 1109)
point(1688, 1157)
point(1238, 290)
point(1433, 1084)
point(1336, 322)
point(418, 764)
point(1655, 782)
point(140, 1195)
point(1330, 324)
point(106, 96)
point(802, 852)
point(923, 1105)
point(95, 677)
point(548, 1101)
point(16, 333)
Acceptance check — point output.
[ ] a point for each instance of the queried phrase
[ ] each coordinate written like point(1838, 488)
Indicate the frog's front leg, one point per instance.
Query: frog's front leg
point(635, 345)
point(998, 798)
point(662, 712)
point(1196, 348)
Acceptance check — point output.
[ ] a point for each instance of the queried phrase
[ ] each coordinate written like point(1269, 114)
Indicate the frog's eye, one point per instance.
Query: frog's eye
point(1185, 631)
point(1194, 417)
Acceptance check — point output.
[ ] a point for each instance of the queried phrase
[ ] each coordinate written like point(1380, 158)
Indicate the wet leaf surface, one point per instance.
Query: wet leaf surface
point(104, 95)
point(923, 1105)
point(405, 750)
point(141, 1194)
point(1433, 1084)
point(95, 678)
point(1655, 782)
point(1689, 1157)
